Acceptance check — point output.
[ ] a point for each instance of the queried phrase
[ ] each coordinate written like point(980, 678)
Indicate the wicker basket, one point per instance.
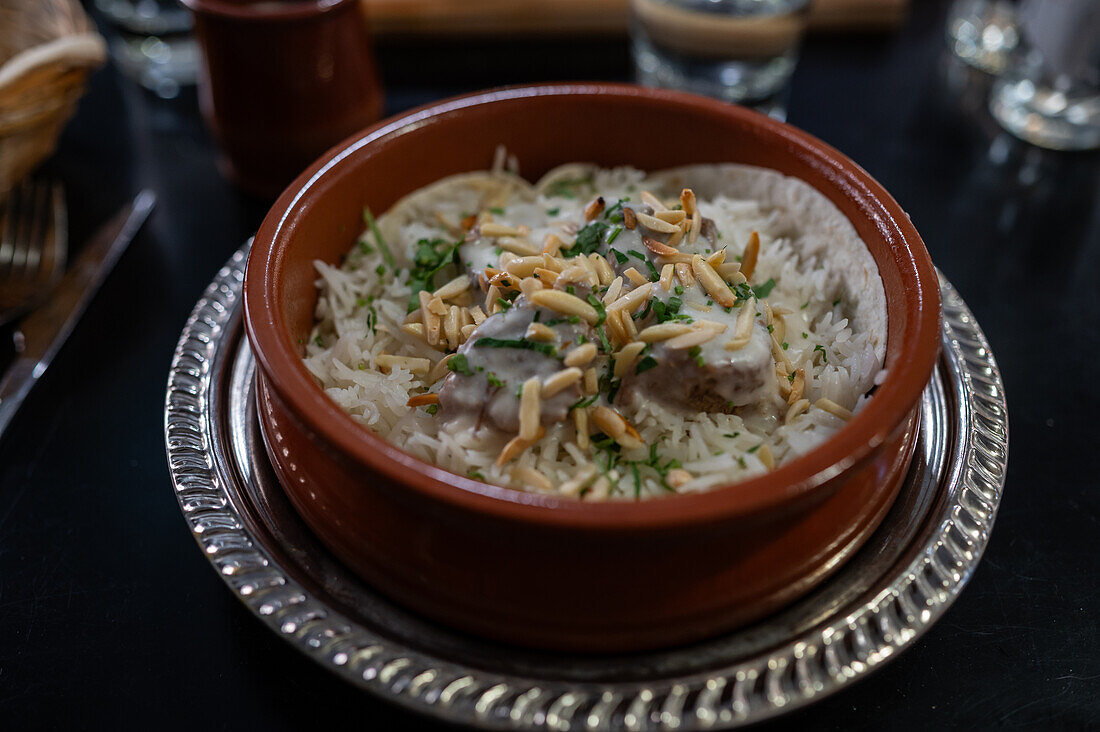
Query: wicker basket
point(47, 49)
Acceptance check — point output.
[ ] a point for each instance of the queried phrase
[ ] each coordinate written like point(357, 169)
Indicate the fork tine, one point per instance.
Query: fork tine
point(7, 231)
point(38, 229)
point(24, 220)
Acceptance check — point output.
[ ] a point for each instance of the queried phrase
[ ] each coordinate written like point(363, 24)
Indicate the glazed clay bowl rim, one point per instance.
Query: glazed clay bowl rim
point(909, 368)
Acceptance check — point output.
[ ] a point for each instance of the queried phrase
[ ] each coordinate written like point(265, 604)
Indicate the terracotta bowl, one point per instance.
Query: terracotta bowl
point(555, 572)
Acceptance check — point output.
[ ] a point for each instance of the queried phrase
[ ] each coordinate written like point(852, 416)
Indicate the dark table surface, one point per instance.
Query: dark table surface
point(109, 615)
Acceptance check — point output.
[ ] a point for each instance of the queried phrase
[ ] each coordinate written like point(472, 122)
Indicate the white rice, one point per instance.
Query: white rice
point(717, 449)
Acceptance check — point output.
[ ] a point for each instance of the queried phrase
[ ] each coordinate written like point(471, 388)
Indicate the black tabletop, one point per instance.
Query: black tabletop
point(110, 615)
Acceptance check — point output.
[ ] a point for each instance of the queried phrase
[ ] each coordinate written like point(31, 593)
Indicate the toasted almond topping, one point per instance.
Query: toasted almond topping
point(467, 331)
point(781, 380)
point(684, 274)
point(730, 272)
point(593, 209)
point(452, 228)
point(780, 355)
point(633, 299)
point(687, 201)
point(521, 247)
point(504, 281)
point(663, 331)
point(491, 297)
point(450, 328)
point(388, 362)
point(672, 217)
point(625, 358)
point(635, 276)
point(524, 266)
point(566, 304)
point(551, 244)
point(613, 291)
point(798, 407)
point(530, 285)
point(779, 326)
point(629, 327)
point(701, 332)
point(439, 370)
point(712, 283)
point(523, 229)
point(765, 455)
point(455, 287)
point(437, 306)
point(745, 317)
point(653, 202)
point(414, 329)
point(599, 489)
point(616, 331)
point(492, 229)
point(580, 424)
point(609, 421)
point(591, 381)
point(517, 445)
point(629, 218)
point(833, 408)
point(667, 272)
point(530, 408)
point(675, 238)
point(469, 222)
point(561, 380)
point(541, 333)
point(662, 250)
point(655, 224)
point(678, 477)
point(477, 314)
point(547, 276)
point(532, 478)
point(717, 258)
point(752, 251)
point(698, 306)
point(580, 355)
point(422, 400)
point(696, 227)
point(603, 269)
point(552, 263)
point(430, 319)
point(579, 481)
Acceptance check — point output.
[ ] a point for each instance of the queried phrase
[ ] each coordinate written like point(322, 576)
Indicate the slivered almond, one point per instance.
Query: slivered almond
point(546, 276)
point(635, 276)
point(672, 217)
point(701, 332)
point(504, 258)
point(667, 272)
point(696, 227)
point(491, 297)
point(748, 259)
point(780, 355)
point(530, 408)
point(469, 222)
point(633, 299)
point(600, 488)
point(560, 381)
point(715, 286)
point(625, 358)
point(580, 424)
point(552, 263)
point(728, 270)
point(603, 269)
point(422, 400)
point(437, 306)
point(524, 266)
point(658, 248)
point(430, 319)
point(439, 370)
point(613, 291)
point(653, 202)
point(388, 362)
point(612, 424)
point(828, 405)
point(530, 285)
point(517, 445)
point(717, 258)
point(533, 478)
point(452, 228)
point(663, 332)
point(797, 408)
point(655, 224)
point(782, 379)
point(467, 331)
point(541, 333)
point(630, 220)
point(521, 247)
point(414, 329)
point(765, 455)
point(616, 332)
point(450, 328)
point(593, 209)
point(779, 324)
point(675, 238)
point(566, 304)
point(677, 258)
point(455, 287)
point(591, 381)
point(684, 274)
point(629, 328)
point(580, 355)
point(678, 477)
point(551, 244)
point(492, 229)
point(687, 201)
point(579, 481)
point(505, 281)
point(477, 314)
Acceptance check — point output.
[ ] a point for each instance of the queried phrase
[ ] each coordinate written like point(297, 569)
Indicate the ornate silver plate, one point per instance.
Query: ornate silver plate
point(878, 604)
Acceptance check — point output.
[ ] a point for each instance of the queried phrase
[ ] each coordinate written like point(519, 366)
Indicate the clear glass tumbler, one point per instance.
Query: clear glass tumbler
point(737, 50)
point(982, 32)
point(154, 44)
point(1050, 93)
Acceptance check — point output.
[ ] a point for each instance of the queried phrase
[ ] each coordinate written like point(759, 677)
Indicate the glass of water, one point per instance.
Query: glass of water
point(982, 32)
point(736, 50)
point(154, 44)
point(1050, 93)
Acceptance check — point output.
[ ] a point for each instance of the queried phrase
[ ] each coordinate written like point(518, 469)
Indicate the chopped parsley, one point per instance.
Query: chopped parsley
point(320, 343)
point(614, 234)
point(805, 334)
point(494, 380)
point(790, 377)
point(430, 258)
point(473, 473)
point(669, 311)
point(380, 270)
point(496, 210)
point(504, 304)
point(754, 448)
point(460, 365)
point(678, 289)
point(583, 402)
point(619, 256)
point(805, 305)
point(732, 434)
point(566, 187)
point(645, 364)
point(519, 343)
point(824, 356)
point(614, 214)
point(771, 328)
point(387, 255)
point(601, 311)
point(765, 289)
point(588, 239)
point(784, 344)
point(696, 354)
point(836, 302)
point(365, 248)
point(431, 409)
point(553, 211)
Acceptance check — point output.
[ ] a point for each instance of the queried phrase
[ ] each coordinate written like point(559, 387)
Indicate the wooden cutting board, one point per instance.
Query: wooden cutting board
point(601, 17)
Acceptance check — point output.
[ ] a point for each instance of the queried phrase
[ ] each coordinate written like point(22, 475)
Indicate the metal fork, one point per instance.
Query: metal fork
point(33, 245)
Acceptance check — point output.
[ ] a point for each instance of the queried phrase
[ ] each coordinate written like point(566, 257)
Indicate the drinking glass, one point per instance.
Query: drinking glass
point(982, 32)
point(737, 50)
point(154, 45)
point(1050, 93)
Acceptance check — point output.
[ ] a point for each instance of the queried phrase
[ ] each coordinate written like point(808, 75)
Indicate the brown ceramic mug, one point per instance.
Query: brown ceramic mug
point(282, 82)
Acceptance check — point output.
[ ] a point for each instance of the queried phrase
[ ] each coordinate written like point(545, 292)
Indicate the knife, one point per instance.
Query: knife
point(43, 332)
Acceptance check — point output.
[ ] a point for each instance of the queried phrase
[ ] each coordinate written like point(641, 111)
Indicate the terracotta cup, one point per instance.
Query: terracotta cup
point(546, 570)
point(282, 82)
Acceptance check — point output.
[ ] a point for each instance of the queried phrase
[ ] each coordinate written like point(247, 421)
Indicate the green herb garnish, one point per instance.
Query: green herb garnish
point(645, 364)
point(614, 233)
point(460, 365)
point(387, 255)
point(619, 256)
point(553, 211)
point(496, 210)
point(824, 356)
point(765, 289)
point(696, 354)
point(494, 380)
point(519, 343)
point(601, 311)
point(431, 409)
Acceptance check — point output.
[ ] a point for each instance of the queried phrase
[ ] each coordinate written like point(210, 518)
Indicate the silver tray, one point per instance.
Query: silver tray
point(877, 604)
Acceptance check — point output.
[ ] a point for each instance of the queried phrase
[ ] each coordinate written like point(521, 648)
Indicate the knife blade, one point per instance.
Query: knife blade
point(45, 330)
